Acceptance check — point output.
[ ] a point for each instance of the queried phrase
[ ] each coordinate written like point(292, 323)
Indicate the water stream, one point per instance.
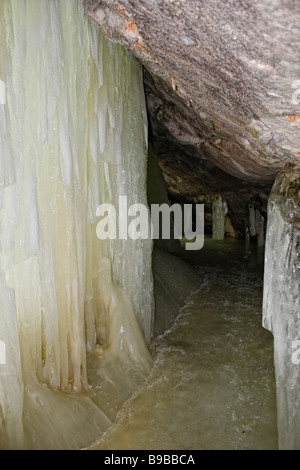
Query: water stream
point(212, 385)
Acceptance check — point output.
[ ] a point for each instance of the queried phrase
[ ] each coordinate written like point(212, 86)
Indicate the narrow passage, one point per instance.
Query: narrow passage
point(212, 385)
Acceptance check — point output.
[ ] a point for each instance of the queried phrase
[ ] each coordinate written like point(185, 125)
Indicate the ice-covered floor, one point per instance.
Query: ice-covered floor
point(212, 385)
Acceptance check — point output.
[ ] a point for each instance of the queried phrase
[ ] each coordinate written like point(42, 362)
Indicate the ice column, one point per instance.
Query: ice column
point(73, 134)
point(219, 211)
point(256, 225)
point(247, 241)
point(281, 300)
point(252, 220)
point(260, 229)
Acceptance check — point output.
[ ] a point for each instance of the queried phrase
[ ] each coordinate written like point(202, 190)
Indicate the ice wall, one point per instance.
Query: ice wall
point(73, 134)
point(281, 302)
point(219, 211)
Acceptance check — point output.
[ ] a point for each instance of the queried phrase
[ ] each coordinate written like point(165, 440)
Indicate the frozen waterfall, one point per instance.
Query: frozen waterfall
point(281, 309)
point(73, 135)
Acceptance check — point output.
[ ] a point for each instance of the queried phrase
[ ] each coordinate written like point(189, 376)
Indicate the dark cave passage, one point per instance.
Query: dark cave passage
point(212, 385)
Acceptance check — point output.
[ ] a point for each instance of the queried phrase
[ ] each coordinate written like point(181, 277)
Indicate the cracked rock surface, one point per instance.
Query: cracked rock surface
point(222, 82)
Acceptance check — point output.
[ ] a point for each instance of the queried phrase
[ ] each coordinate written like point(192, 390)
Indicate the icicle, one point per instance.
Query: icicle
point(219, 211)
point(247, 241)
point(281, 302)
point(260, 229)
point(252, 220)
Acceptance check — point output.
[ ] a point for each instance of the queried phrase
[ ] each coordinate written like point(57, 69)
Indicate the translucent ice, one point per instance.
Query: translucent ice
point(260, 229)
point(252, 220)
point(256, 225)
point(281, 313)
point(72, 136)
point(219, 211)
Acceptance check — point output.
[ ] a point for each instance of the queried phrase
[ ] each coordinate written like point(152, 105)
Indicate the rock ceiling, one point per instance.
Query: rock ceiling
point(222, 81)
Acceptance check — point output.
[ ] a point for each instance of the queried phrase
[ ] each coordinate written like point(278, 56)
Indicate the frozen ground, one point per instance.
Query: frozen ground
point(212, 385)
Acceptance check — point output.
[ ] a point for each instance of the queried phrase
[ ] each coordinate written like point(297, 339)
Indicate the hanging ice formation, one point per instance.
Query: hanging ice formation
point(252, 220)
point(219, 211)
point(281, 304)
point(256, 225)
point(260, 229)
point(73, 134)
point(247, 241)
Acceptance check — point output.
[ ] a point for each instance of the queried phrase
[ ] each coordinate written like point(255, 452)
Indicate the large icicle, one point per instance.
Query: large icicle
point(260, 229)
point(219, 211)
point(72, 136)
point(281, 304)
